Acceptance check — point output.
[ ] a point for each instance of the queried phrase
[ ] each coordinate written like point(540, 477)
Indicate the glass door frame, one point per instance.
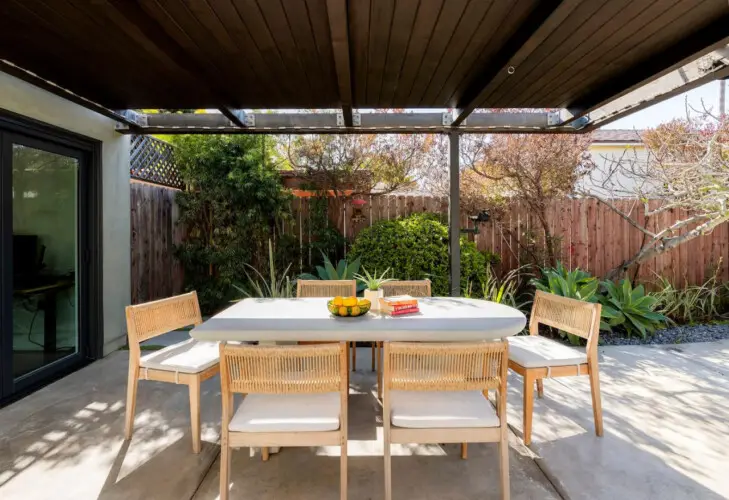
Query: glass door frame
point(15, 129)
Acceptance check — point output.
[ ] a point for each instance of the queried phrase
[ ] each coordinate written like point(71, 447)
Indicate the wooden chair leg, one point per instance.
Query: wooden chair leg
point(373, 348)
point(596, 399)
point(265, 454)
point(354, 356)
point(528, 406)
point(343, 470)
point(132, 383)
point(195, 414)
point(225, 455)
point(540, 388)
point(388, 470)
point(464, 451)
point(379, 370)
point(504, 467)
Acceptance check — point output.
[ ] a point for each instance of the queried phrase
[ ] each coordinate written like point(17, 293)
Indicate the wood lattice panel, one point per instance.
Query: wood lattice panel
point(152, 160)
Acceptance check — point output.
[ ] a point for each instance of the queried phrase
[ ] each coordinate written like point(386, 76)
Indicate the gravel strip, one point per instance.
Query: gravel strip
point(674, 335)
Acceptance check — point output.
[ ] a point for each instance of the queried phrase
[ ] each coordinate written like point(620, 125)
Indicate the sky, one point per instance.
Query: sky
point(674, 107)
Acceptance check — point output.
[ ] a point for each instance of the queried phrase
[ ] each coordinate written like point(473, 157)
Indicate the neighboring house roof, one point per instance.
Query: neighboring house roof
point(621, 136)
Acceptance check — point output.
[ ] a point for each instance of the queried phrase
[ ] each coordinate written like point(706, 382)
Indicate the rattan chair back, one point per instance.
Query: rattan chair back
point(302, 369)
point(569, 315)
point(415, 366)
point(326, 288)
point(417, 288)
point(148, 320)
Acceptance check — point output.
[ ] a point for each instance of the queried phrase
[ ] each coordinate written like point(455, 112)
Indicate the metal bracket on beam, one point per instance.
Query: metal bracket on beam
point(356, 119)
point(249, 120)
point(554, 118)
point(449, 117)
point(558, 118)
point(131, 115)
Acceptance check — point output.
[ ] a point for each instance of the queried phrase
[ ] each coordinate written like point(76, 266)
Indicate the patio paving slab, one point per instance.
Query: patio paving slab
point(666, 418)
point(66, 440)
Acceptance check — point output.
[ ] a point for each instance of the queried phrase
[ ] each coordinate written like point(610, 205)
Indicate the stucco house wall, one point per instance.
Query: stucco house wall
point(30, 101)
point(608, 148)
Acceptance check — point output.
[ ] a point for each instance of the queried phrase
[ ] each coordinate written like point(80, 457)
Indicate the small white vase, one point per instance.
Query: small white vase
point(374, 297)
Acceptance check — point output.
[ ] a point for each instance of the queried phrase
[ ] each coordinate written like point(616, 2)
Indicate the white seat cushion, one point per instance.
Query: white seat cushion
point(441, 409)
point(287, 413)
point(535, 351)
point(190, 356)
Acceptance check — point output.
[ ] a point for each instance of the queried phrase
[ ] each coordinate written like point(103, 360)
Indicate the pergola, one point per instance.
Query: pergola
point(568, 66)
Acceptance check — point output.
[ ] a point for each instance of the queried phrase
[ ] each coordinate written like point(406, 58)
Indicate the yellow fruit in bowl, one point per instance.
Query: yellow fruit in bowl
point(338, 301)
point(350, 301)
point(343, 311)
point(363, 302)
point(333, 308)
point(355, 311)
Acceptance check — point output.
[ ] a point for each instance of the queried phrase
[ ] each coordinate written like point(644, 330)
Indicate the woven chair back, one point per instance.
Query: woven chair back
point(283, 369)
point(415, 366)
point(417, 288)
point(326, 288)
point(145, 321)
point(569, 315)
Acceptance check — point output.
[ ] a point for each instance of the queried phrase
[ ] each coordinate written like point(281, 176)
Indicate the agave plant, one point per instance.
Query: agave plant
point(373, 281)
point(259, 286)
point(343, 271)
point(631, 308)
point(576, 284)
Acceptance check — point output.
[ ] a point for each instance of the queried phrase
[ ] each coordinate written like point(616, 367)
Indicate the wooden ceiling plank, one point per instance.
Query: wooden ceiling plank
point(544, 19)
point(449, 30)
point(319, 21)
point(594, 56)
point(279, 26)
point(337, 15)
point(501, 20)
point(302, 31)
point(358, 13)
point(470, 25)
point(258, 29)
point(425, 22)
point(652, 68)
point(680, 22)
point(381, 18)
point(403, 19)
point(586, 19)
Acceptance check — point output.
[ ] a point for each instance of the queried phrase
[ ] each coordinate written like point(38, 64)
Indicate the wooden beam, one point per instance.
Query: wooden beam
point(237, 116)
point(30, 77)
point(545, 18)
point(682, 63)
point(338, 28)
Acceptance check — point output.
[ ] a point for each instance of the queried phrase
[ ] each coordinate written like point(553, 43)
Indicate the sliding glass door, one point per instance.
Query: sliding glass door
point(44, 251)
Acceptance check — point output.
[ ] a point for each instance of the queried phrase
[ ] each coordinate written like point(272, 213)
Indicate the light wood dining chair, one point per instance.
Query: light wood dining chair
point(438, 393)
point(536, 357)
point(414, 288)
point(329, 288)
point(188, 363)
point(294, 396)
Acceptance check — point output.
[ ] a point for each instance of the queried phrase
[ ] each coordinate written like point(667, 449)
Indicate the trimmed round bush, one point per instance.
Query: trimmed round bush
point(414, 248)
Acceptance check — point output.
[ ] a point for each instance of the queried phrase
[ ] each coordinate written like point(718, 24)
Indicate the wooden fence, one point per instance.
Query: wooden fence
point(155, 271)
point(591, 236)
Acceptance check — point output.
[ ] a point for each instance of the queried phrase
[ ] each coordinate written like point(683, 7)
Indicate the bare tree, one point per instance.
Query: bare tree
point(686, 169)
point(532, 168)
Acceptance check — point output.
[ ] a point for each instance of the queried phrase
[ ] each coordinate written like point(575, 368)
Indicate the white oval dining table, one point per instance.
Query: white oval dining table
point(441, 319)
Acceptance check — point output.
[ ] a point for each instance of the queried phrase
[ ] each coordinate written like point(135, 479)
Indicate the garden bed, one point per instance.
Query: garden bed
point(682, 334)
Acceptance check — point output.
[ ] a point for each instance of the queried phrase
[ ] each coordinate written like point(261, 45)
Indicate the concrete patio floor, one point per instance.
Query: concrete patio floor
point(665, 420)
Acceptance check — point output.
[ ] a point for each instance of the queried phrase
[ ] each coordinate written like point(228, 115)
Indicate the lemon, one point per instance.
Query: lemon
point(343, 311)
point(350, 301)
point(333, 308)
point(337, 301)
point(355, 311)
point(364, 302)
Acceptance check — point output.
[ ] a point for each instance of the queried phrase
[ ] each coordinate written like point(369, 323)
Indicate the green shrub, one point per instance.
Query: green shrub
point(233, 202)
point(416, 247)
point(705, 302)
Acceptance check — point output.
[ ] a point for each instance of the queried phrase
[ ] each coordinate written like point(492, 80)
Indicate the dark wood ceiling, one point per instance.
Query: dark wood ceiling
point(356, 53)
